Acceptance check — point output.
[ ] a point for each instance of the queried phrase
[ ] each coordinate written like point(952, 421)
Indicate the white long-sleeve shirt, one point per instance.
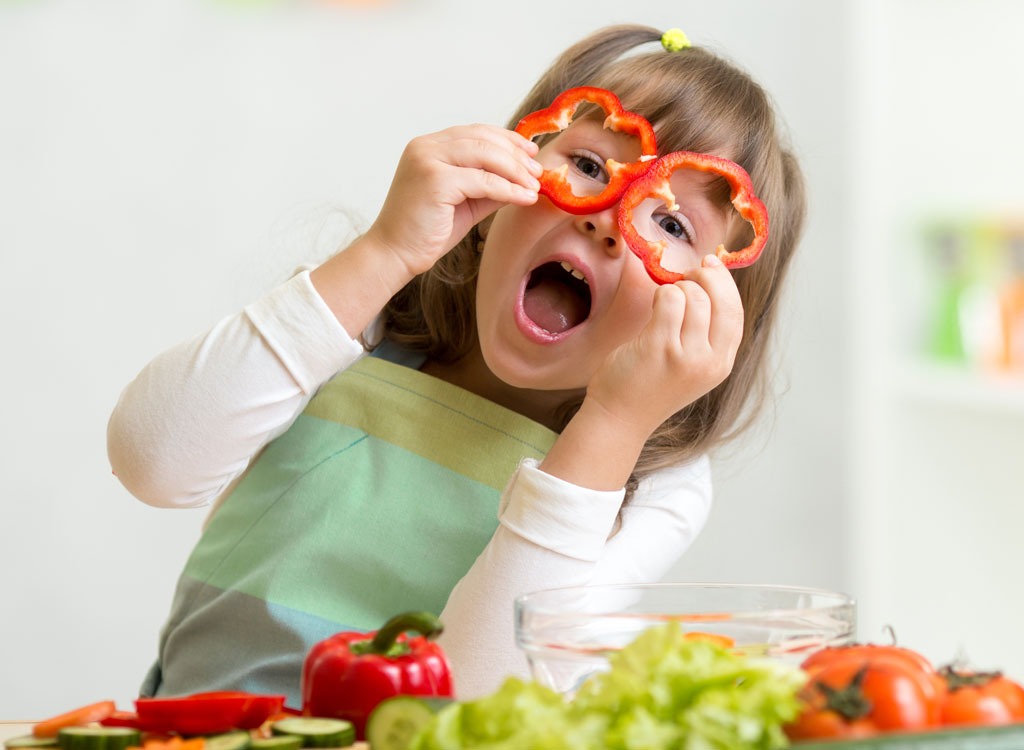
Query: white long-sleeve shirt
point(187, 428)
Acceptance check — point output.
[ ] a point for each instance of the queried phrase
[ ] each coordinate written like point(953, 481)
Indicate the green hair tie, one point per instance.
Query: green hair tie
point(674, 40)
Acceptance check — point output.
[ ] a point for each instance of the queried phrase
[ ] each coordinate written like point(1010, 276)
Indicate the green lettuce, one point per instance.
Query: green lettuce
point(662, 692)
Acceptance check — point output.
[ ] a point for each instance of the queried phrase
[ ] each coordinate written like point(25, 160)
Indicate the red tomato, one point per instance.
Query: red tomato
point(986, 698)
point(853, 696)
point(868, 651)
point(812, 725)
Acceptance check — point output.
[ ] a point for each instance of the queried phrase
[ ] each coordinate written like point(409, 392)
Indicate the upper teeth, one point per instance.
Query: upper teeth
point(576, 274)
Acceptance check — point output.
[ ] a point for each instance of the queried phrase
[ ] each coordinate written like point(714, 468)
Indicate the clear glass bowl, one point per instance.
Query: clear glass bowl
point(568, 633)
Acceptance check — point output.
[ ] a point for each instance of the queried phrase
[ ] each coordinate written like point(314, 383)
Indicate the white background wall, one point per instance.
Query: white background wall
point(936, 487)
point(163, 162)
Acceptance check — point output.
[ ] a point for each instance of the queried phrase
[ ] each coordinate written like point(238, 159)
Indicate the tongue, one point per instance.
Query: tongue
point(553, 306)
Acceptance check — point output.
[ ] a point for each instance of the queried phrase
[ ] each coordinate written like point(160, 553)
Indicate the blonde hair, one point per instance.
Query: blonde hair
point(697, 101)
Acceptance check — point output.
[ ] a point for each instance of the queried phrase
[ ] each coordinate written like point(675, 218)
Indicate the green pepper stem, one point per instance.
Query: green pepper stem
point(423, 623)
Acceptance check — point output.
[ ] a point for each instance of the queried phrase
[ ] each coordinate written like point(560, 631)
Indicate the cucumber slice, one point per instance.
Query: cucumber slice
point(228, 741)
point(98, 738)
point(317, 732)
point(395, 721)
point(279, 742)
point(29, 741)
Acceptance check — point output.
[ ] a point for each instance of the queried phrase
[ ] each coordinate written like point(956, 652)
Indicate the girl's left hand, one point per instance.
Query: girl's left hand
point(687, 348)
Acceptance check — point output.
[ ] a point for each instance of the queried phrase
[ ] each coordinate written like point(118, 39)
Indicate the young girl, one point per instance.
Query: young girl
point(505, 434)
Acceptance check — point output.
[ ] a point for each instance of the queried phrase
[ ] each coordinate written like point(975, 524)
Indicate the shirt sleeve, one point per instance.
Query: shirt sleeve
point(552, 533)
point(190, 423)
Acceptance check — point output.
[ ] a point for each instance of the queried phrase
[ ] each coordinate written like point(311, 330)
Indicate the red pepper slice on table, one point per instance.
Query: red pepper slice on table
point(206, 713)
point(655, 183)
point(347, 675)
point(557, 117)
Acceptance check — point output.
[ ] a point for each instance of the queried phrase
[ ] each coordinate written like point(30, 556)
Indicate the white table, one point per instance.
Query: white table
point(10, 729)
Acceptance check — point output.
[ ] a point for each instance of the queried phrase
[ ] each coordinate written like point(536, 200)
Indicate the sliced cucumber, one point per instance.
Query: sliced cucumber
point(316, 731)
point(228, 741)
point(279, 742)
point(98, 738)
point(29, 741)
point(395, 721)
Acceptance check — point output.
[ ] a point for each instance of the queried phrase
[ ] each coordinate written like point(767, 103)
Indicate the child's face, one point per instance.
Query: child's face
point(541, 325)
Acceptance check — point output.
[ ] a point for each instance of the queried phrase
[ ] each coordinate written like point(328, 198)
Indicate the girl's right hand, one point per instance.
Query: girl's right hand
point(446, 183)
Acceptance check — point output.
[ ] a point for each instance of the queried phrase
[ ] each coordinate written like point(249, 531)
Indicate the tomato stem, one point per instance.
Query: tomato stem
point(850, 702)
point(957, 680)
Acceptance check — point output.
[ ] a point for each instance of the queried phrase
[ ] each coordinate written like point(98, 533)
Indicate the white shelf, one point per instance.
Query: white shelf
point(961, 386)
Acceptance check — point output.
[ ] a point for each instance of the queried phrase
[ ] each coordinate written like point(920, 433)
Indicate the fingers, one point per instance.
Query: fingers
point(481, 162)
point(713, 290)
point(446, 182)
point(700, 323)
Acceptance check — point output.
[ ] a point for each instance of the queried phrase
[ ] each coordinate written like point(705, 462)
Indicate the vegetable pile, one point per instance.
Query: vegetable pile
point(867, 690)
point(662, 691)
point(668, 690)
point(223, 720)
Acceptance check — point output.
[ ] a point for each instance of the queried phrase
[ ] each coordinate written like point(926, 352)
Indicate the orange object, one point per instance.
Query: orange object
point(1011, 310)
point(74, 718)
point(722, 640)
point(172, 743)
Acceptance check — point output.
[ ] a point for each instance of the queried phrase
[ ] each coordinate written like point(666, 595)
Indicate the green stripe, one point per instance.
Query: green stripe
point(468, 434)
point(410, 484)
point(380, 542)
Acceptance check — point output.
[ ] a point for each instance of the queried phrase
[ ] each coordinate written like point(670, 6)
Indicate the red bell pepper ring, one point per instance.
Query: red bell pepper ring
point(206, 713)
point(656, 184)
point(346, 675)
point(557, 117)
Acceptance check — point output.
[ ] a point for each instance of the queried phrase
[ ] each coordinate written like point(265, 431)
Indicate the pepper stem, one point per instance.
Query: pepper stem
point(423, 623)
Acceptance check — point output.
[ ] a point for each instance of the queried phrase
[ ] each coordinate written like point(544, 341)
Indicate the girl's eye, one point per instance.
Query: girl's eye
point(674, 227)
point(589, 166)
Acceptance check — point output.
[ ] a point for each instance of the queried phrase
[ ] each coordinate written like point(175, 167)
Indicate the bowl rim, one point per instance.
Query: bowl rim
point(839, 600)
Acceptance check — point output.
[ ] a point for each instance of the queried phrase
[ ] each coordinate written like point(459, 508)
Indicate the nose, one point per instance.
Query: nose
point(603, 227)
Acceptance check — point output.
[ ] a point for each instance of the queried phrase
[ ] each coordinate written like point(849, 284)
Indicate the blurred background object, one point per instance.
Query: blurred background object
point(164, 162)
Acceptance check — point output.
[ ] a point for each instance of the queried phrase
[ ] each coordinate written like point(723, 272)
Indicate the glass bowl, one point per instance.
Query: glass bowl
point(568, 633)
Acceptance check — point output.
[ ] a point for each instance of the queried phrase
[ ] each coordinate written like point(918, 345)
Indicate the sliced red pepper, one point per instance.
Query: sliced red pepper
point(128, 719)
point(656, 184)
point(347, 675)
point(207, 713)
point(558, 116)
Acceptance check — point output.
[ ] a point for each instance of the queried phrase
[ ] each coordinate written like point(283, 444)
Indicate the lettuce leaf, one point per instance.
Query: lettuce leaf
point(662, 692)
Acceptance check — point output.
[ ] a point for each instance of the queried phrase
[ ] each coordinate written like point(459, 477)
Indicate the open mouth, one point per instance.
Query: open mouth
point(557, 297)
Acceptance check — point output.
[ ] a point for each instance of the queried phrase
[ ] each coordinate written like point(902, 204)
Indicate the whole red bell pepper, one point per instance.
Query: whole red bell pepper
point(655, 183)
point(347, 675)
point(558, 116)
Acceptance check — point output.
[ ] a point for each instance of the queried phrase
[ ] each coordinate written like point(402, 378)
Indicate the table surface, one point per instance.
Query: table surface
point(10, 729)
